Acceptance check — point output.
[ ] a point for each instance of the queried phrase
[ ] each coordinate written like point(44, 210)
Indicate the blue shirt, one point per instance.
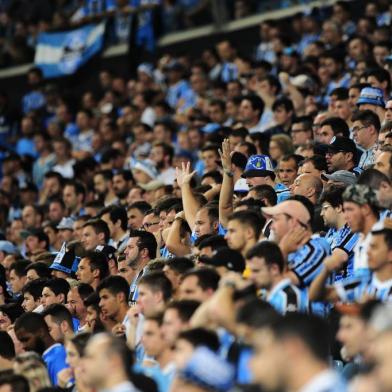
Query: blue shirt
point(54, 358)
point(355, 290)
point(346, 240)
point(93, 7)
point(282, 192)
point(162, 377)
point(33, 101)
point(306, 262)
point(176, 92)
point(286, 298)
point(229, 72)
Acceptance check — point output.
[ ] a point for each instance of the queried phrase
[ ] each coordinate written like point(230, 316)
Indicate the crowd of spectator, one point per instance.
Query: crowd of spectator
point(221, 223)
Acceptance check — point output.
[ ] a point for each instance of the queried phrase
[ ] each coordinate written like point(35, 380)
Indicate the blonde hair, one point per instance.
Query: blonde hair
point(284, 143)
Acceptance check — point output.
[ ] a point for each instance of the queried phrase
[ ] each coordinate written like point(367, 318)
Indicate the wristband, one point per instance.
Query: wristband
point(228, 173)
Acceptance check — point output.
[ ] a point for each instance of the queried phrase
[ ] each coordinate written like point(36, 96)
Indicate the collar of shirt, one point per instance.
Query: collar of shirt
point(325, 381)
point(279, 286)
point(125, 386)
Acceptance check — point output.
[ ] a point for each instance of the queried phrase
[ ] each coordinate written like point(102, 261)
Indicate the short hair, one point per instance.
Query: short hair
point(211, 147)
point(116, 213)
point(319, 162)
point(179, 264)
point(58, 286)
point(17, 382)
point(310, 329)
point(115, 285)
point(381, 74)
point(284, 142)
point(78, 187)
point(283, 102)
point(99, 226)
point(147, 241)
point(167, 150)
point(373, 178)
point(341, 93)
point(7, 347)
point(338, 126)
point(166, 204)
point(19, 267)
point(212, 212)
point(34, 288)
point(106, 174)
point(12, 310)
point(251, 219)
point(59, 313)
point(256, 102)
point(256, 313)
point(84, 290)
point(125, 174)
point(98, 261)
point(201, 337)
point(306, 122)
point(185, 308)
point(368, 118)
point(42, 269)
point(333, 195)
point(207, 278)
point(140, 205)
point(270, 252)
point(158, 282)
point(215, 175)
point(266, 192)
point(213, 241)
point(31, 322)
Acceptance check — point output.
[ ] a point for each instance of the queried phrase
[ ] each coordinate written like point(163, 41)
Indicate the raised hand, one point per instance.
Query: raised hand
point(225, 155)
point(184, 175)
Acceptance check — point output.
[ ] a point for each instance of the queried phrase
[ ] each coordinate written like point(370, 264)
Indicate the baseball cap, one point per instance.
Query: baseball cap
point(241, 186)
point(371, 96)
point(225, 257)
point(360, 194)
point(293, 208)
point(66, 261)
point(152, 185)
point(147, 168)
point(208, 370)
point(66, 223)
point(258, 166)
point(146, 68)
point(343, 176)
point(107, 250)
point(341, 143)
point(39, 233)
point(8, 247)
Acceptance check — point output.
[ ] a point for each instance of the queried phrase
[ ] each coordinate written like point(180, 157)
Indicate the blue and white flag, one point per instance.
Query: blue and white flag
point(63, 53)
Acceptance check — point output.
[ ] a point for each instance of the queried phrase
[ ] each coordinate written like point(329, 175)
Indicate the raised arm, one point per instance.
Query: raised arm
point(226, 195)
point(189, 201)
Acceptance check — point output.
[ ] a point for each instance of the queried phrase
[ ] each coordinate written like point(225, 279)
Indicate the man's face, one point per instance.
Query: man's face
point(300, 186)
point(31, 275)
point(30, 341)
point(353, 214)
point(29, 304)
point(32, 243)
point(109, 303)
point(254, 181)
point(127, 272)
point(85, 273)
point(135, 218)
point(267, 363)
point(325, 134)
point(259, 272)
point(131, 251)
point(100, 185)
point(378, 253)
point(94, 361)
point(352, 333)
point(29, 217)
point(203, 223)
point(147, 300)
point(382, 163)
point(54, 329)
point(55, 211)
point(210, 159)
point(246, 112)
point(236, 236)
point(281, 225)
point(157, 156)
point(190, 289)
point(336, 160)
point(172, 326)
point(182, 352)
point(308, 168)
point(120, 186)
point(75, 303)
point(90, 239)
point(353, 95)
point(52, 186)
point(343, 109)
point(299, 134)
point(49, 297)
point(287, 171)
point(383, 357)
point(16, 282)
point(360, 133)
point(91, 316)
point(69, 197)
point(388, 110)
point(329, 214)
point(152, 338)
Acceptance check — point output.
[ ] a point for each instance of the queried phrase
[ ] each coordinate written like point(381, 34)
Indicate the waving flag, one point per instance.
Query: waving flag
point(63, 53)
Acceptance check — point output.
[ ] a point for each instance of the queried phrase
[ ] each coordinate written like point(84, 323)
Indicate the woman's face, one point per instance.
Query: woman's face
point(73, 356)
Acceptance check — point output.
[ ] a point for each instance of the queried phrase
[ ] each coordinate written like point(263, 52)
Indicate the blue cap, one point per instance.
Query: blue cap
point(65, 261)
point(8, 247)
point(258, 166)
point(208, 370)
point(211, 128)
point(371, 96)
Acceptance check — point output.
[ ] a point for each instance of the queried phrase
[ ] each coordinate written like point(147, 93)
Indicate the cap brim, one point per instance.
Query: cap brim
point(256, 173)
point(326, 176)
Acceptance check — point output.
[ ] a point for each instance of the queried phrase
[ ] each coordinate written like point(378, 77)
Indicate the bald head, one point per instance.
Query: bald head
point(307, 185)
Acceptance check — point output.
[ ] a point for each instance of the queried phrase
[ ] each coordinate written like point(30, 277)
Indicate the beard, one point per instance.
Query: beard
point(39, 346)
point(121, 194)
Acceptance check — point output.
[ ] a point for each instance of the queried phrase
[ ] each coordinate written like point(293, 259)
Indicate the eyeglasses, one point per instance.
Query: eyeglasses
point(334, 152)
point(148, 225)
point(357, 129)
point(388, 109)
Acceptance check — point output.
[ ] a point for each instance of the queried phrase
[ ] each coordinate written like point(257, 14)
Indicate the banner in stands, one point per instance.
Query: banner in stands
point(63, 53)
